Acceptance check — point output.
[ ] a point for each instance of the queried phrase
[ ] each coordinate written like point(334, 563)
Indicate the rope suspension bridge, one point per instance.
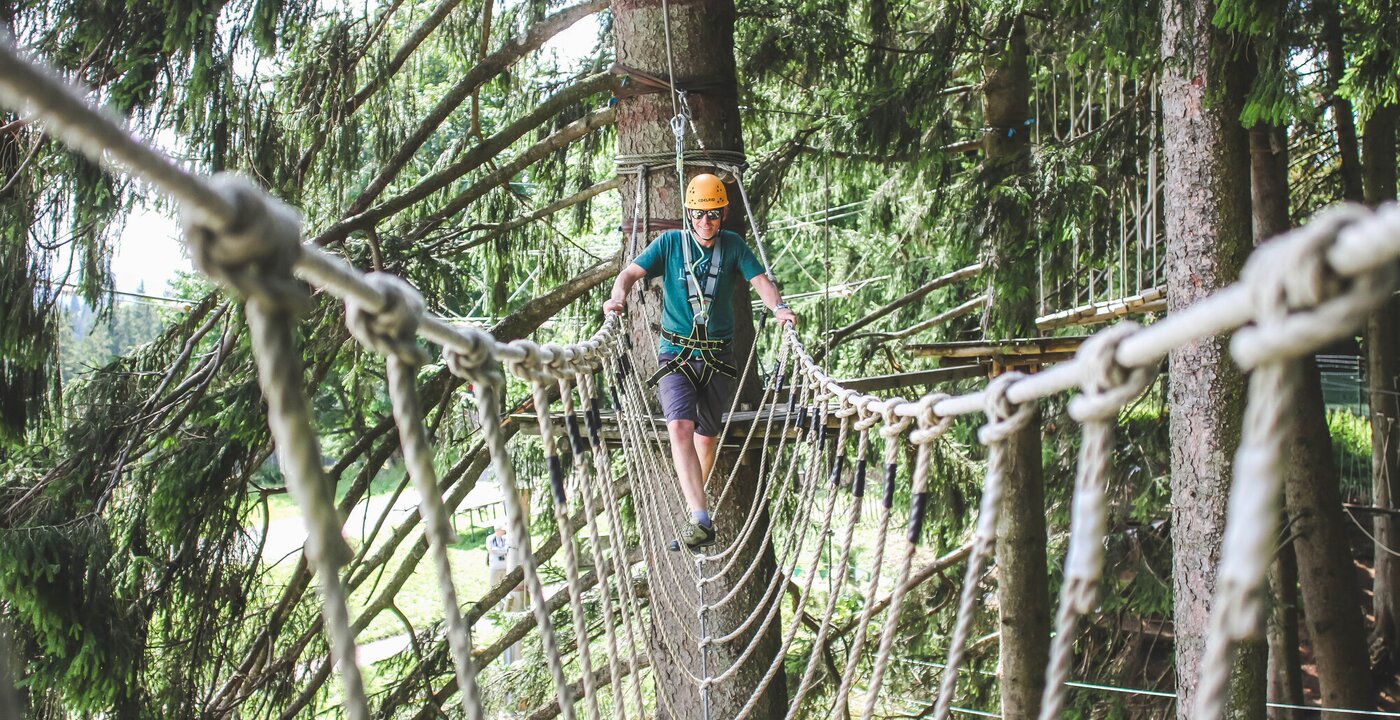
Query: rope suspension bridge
point(815, 443)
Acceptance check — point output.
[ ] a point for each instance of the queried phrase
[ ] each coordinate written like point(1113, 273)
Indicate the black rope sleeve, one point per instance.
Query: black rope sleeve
point(917, 506)
point(556, 479)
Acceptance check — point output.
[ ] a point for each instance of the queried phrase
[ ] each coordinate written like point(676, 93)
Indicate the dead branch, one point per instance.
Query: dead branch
point(840, 334)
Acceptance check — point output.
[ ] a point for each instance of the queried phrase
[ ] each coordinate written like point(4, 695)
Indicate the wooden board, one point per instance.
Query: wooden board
point(1016, 349)
point(738, 426)
point(917, 378)
point(1150, 300)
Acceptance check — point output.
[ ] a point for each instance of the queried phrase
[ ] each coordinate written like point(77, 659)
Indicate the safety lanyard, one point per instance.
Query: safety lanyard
point(701, 297)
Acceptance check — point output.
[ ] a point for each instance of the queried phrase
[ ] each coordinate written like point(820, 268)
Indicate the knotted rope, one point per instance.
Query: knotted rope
point(892, 429)
point(253, 252)
point(391, 330)
point(487, 380)
point(1107, 387)
point(931, 427)
point(599, 471)
point(1300, 303)
point(1004, 419)
point(865, 420)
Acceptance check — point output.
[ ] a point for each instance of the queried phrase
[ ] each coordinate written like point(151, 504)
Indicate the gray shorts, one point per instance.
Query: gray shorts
point(704, 406)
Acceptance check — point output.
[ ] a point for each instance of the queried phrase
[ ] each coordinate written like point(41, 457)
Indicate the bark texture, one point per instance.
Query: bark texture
point(1383, 372)
point(1206, 186)
point(702, 42)
point(1023, 594)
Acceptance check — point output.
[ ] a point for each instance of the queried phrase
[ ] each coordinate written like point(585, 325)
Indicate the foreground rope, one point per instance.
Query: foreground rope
point(931, 427)
point(892, 429)
point(389, 330)
point(1004, 419)
point(487, 381)
point(256, 259)
point(1107, 388)
point(1300, 304)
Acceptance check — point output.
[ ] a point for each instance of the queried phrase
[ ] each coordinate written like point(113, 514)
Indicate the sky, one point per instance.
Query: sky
point(150, 251)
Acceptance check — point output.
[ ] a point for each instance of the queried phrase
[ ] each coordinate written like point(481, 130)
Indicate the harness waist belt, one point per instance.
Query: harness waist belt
point(697, 346)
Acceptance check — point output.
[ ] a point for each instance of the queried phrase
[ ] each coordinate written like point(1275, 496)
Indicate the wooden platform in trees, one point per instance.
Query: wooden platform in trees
point(1001, 354)
point(1150, 300)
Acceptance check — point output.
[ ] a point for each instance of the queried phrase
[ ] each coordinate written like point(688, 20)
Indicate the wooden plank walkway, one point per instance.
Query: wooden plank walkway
point(738, 426)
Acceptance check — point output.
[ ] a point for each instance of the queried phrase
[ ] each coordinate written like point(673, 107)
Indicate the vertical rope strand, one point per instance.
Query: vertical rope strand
point(299, 456)
point(931, 427)
point(1004, 419)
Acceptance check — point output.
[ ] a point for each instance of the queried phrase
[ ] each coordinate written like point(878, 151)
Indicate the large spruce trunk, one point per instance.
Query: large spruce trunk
point(1207, 207)
point(1383, 373)
point(1023, 595)
point(702, 43)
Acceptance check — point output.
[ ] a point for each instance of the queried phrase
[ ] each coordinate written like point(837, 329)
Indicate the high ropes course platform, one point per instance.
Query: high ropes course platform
point(814, 452)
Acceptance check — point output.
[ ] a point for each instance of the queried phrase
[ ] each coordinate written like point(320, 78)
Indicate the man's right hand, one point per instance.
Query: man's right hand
point(612, 306)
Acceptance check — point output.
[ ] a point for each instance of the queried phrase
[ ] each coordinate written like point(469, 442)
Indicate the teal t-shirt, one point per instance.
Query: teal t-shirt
point(665, 258)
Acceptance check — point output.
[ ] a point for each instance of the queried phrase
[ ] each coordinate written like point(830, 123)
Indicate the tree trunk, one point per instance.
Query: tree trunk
point(1206, 191)
point(702, 42)
point(1326, 574)
point(1343, 115)
point(1268, 154)
point(1023, 594)
point(1383, 373)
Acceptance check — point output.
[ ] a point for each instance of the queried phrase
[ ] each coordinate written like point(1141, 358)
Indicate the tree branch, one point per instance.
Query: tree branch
point(483, 71)
point(543, 212)
point(963, 309)
point(475, 158)
point(601, 678)
point(561, 138)
point(840, 335)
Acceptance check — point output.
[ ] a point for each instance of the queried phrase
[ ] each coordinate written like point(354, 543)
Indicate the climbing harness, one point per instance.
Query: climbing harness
point(698, 345)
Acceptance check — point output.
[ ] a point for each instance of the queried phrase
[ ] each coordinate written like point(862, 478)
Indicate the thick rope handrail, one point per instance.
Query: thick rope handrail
point(224, 206)
point(1300, 304)
point(1368, 242)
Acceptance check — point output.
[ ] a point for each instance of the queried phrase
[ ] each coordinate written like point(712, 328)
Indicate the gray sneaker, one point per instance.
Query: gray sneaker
point(694, 536)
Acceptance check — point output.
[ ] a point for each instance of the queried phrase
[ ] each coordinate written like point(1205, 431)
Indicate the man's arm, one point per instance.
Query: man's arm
point(772, 299)
point(622, 285)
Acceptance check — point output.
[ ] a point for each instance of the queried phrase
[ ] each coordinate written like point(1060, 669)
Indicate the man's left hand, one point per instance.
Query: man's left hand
point(785, 316)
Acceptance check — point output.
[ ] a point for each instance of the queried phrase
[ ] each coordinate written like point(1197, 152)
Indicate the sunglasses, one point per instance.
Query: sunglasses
point(710, 214)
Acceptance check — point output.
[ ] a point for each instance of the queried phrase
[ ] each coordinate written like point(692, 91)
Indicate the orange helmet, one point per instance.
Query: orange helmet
point(705, 192)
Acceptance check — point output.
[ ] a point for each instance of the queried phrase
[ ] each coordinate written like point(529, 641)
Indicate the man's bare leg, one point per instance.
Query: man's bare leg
point(706, 447)
point(687, 462)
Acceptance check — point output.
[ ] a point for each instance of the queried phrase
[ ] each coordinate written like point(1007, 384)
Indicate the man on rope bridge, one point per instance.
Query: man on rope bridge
point(696, 379)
